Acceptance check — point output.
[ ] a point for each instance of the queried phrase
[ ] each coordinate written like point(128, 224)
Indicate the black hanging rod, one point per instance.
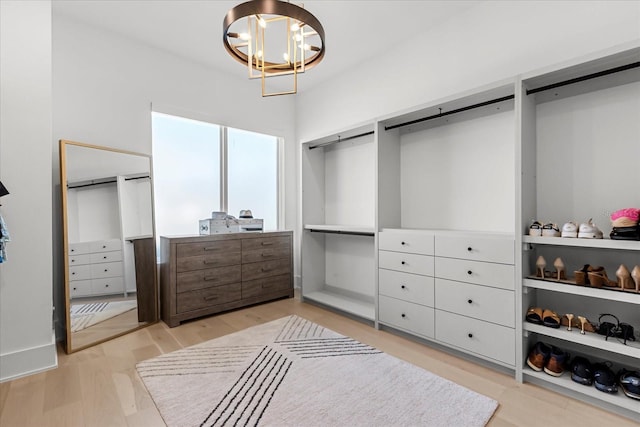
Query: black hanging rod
point(103, 181)
point(583, 78)
point(448, 113)
point(340, 139)
point(353, 233)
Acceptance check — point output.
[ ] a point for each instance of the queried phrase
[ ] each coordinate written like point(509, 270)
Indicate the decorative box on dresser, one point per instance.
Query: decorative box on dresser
point(203, 275)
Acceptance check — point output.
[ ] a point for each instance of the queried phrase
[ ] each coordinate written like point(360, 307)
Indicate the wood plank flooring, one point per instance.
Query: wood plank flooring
point(99, 386)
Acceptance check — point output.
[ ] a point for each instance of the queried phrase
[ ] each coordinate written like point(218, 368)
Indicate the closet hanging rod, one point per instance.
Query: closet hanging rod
point(352, 233)
point(340, 139)
point(586, 77)
point(448, 113)
point(102, 181)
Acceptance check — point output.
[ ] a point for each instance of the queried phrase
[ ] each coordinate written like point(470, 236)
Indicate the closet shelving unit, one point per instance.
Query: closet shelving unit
point(338, 213)
point(578, 150)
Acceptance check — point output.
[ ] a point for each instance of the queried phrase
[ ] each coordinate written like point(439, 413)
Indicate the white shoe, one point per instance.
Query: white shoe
point(550, 230)
point(570, 229)
point(589, 230)
point(535, 229)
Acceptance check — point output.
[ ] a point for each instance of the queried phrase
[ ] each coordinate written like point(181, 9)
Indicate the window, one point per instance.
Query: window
point(199, 167)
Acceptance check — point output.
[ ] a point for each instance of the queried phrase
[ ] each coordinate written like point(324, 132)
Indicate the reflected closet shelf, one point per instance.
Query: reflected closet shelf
point(627, 245)
point(605, 294)
point(340, 229)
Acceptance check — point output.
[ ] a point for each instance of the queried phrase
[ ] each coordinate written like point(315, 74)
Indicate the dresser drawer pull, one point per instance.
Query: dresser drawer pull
point(470, 249)
point(210, 278)
point(402, 243)
point(266, 270)
point(403, 315)
point(104, 246)
point(106, 270)
point(403, 263)
point(470, 335)
point(106, 286)
point(211, 298)
point(73, 260)
point(212, 248)
point(403, 287)
point(208, 262)
point(267, 255)
point(104, 257)
point(266, 243)
point(469, 272)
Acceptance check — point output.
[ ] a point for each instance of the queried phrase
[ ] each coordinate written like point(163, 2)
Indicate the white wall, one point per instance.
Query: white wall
point(489, 42)
point(27, 344)
point(104, 85)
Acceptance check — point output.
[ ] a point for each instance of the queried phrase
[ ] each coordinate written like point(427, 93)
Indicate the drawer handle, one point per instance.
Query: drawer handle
point(210, 278)
point(469, 272)
point(212, 298)
point(73, 274)
point(73, 250)
point(267, 255)
point(105, 270)
point(402, 243)
point(266, 243)
point(470, 249)
point(104, 257)
point(470, 301)
point(73, 260)
point(470, 335)
point(213, 248)
point(403, 263)
point(75, 289)
point(104, 247)
point(106, 286)
point(403, 286)
point(403, 315)
point(267, 270)
point(208, 262)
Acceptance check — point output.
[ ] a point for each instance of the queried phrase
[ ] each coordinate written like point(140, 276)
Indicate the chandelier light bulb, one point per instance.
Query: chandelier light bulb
point(295, 26)
point(261, 21)
point(297, 37)
point(244, 36)
point(285, 56)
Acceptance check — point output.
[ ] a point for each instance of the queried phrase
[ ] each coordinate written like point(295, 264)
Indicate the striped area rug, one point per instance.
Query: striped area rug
point(85, 315)
point(293, 372)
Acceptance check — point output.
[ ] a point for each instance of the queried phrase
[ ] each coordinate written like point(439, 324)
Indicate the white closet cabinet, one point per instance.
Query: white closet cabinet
point(579, 151)
point(338, 213)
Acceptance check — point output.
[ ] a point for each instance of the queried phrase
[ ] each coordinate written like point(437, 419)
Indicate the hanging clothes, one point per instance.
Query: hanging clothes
point(4, 238)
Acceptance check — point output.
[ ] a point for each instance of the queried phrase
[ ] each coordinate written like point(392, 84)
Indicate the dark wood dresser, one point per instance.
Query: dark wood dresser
point(203, 275)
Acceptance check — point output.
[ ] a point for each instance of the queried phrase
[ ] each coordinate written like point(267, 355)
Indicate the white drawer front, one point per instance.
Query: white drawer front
point(109, 285)
point(481, 302)
point(482, 338)
point(492, 249)
point(100, 257)
point(409, 263)
point(79, 248)
point(106, 245)
point(108, 269)
point(482, 273)
point(407, 316)
point(415, 242)
point(79, 259)
point(408, 287)
point(80, 272)
point(80, 288)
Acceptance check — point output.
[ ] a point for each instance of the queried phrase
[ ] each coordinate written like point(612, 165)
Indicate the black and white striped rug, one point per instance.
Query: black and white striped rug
point(293, 372)
point(85, 315)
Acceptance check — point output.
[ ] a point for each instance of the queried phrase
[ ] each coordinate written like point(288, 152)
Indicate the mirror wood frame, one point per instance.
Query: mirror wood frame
point(148, 264)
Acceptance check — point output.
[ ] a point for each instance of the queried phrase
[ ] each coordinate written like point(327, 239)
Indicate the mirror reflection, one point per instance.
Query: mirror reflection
point(110, 273)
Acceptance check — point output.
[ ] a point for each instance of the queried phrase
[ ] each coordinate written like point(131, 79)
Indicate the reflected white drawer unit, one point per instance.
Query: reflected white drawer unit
point(96, 268)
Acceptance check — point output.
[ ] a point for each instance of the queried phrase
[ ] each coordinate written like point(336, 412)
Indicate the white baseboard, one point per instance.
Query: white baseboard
point(28, 361)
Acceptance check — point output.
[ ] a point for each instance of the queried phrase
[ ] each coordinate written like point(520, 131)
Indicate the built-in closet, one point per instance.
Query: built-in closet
point(418, 221)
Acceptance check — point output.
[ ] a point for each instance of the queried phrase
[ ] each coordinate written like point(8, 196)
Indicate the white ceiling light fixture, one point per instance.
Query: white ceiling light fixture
point(277, 38)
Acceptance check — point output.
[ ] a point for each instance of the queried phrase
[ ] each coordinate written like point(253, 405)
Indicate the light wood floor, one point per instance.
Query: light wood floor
point(99, 386)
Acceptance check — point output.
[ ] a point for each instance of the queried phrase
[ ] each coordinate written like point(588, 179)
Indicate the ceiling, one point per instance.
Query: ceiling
point(356, 30)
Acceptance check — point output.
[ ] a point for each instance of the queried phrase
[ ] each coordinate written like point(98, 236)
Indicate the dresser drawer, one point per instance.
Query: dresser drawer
point(207, 261)
point(258, 270)
point(408, 287)
point(107, 269)
point(476, 336)
point(80, 272)
point(267, 286)
point(206, 298)
point(192, 280)
point(79, 248)
point(106, 257)
point(80, 288)
point(106, 245)
point(266, 253)
point(478, 248)
point(480, 302)
point(410, 241)
point(216, 249)
point(79, 259)
point(482, 273)
point(408, 263)
point(110, 285)
point(281, 242)
point(407, 316)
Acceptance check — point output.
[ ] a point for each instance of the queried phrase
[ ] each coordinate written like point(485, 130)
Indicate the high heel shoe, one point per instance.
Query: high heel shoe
point(582, 276)
point(624, 278)
point(559, 265)
point(598, 279)
point(540, 265)
point(635, 274)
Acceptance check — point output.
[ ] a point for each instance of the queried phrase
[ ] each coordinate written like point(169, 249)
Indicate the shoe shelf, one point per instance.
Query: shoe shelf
point(605, 294)
point(340, 229)
point(565, 382)
point(589, 339)
point(627, 245)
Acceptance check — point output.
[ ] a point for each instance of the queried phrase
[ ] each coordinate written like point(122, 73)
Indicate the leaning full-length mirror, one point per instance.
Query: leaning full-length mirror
point(110, 271)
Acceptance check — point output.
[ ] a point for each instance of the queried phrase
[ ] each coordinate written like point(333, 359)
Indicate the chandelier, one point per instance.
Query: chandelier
point(277, 38)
